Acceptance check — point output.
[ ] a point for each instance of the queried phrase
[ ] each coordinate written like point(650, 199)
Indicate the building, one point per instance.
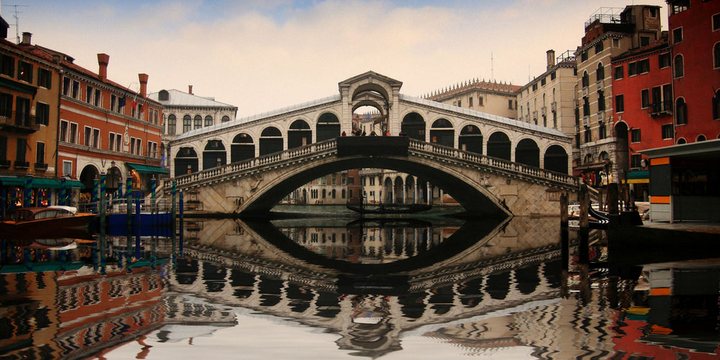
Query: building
point(608, 33)
point(498, 98)
point(642, 109)
point(29, 103)
point(549, 99)
point(185, 111)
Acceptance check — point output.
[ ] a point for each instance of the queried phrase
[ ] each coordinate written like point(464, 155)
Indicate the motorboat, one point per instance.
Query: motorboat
point(55, 221)
point(389, 208)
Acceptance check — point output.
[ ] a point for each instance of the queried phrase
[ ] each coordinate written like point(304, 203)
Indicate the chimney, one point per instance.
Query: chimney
point(550, 58)
point(26, 38)
point(143, 84)
point(190, 89)
point(103, 60)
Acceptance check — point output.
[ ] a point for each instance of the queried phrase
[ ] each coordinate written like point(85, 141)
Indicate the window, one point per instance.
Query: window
point(187, 123)
point(22, 111)
point(601, 100)
point(75, 91)
point(681, 111)
point(679, 66)
point(67, 168)
point(598, 47)
point(89, 94)
point(25, 72)
point(208, 120)
point(600, 73)
point(40, 154)
point(636, 161)
point(677, 35)
point(620, 103)
point(644, 98)
point(716, 55)
point(586, 106)
point(510, 104)
point(553, 75)
point(716, 105)
point(7, 65)
point(644, 40)
point(63, 130)
point(470, 101)
point(66, 86)
point(96, 138)
point(115, 142)
point(588, 135)
point(88, 135)
point(619, 72)
point(225, 118)
point(585, 79)
point(667, 131)
point(44, 78)
point(632, 69)
point(543, 82)
point(172, 124)
point(20, 152)
point(583, 56)
point(72, 136)
point(616, 43)
point(602, 131)
point(197, 121)
point(3, 150)
point(6, 105)
point(635, 135)
point(459, 103)
point(42, 114)
point(716, 22)
point(643, 66)
point(152, 149)
point(98, 98)
point(656, 99)
point(664, 60)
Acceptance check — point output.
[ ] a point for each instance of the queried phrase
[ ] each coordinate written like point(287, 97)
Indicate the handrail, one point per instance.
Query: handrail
point(329, 146)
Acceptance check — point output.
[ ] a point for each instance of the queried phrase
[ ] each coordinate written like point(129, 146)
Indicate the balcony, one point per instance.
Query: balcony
point(18, 123)
point(40, 167)
point(4, 164)
point(662, 108)
point(21, 165)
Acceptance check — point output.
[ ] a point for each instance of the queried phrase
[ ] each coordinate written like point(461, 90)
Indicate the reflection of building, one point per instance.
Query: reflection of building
point(185, 111)
point(29, 93)
point(608, 33)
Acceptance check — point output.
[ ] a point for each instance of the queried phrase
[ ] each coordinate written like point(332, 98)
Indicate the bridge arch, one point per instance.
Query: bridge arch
point(271, 140)
point(527, 152)
point(413, 126)
point(299, 134)
point(471, 139)
point(556, 159)
point(214, 154)
point(442, 132)
point(242, 147)
point(328, 127)
point(499, 146)
point(186, 161)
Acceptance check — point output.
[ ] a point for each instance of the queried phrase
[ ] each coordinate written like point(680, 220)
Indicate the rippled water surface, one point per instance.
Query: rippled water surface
point(433, 288)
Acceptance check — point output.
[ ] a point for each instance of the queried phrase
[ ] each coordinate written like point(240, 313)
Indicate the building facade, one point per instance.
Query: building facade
point(608, 33)
point(498, 98)
point(549, 99)
point(185, 111)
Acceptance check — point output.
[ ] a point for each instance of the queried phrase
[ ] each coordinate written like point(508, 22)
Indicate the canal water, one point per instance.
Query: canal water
point(433, 287)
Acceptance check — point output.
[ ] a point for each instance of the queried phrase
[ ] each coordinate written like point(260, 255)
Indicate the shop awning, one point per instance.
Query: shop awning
point(147, 169)
point(39, 183)
point(638, 177)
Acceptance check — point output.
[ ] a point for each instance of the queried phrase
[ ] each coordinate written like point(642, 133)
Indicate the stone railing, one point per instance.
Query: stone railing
point(217, 173)
point(487, 161)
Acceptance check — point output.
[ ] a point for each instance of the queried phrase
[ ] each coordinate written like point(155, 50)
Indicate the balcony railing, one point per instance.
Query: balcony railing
point(19, 122)
point(21, 165)
point(41, 166)
point(661, 108)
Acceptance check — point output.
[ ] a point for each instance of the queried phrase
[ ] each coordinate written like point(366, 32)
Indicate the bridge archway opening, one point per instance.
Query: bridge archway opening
point(556, 159)
point(442, 132)
point(214, 154)
point(413, 126)
point(328, 127)
point(299, 134)
point(471, 139)
point(271, 141)
point(242, 148)
point(527, 152)
point(498, 146)
point(368, 117)
point(186, 161)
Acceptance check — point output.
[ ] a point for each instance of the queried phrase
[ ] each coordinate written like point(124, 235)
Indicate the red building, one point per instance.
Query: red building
point(694, 32)
point(643, 108)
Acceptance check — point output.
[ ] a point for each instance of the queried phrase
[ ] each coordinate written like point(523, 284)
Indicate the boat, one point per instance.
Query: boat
point(46, 223)
point(389, 208)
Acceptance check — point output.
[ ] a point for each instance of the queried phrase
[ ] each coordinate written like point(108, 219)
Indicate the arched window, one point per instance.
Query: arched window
point(679, 66)
point(716, 55)
point(208, 120)
point(701, 137)
point(197, 121)
point(172, 124)
point(585, 79)
point(187, 123)
point(681, 111)
point(600, 72)
point(225, 118)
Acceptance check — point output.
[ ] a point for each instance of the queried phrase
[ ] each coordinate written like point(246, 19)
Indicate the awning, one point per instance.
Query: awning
point(637, 177)
point(18, 86)
point(39, 183)
point(147, 169)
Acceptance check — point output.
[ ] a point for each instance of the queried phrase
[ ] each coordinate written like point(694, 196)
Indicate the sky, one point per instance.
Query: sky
point(263, 55)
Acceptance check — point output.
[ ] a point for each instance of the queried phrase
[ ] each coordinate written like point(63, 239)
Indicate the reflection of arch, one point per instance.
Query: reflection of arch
point(186, 161)
point(498, 146)
point(442, 132)
point(299, 134)
point(527, 278)
point(271, 141)
point(556, 159)
point(471, 139)
point(328, 127)
point(214, 154)
point(87, 176)
point(242, 148)
point(498, 285)
point(528, 153)
point(413, 126)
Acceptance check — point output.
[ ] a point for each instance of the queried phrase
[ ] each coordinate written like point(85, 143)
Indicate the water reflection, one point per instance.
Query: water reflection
point(487, 288)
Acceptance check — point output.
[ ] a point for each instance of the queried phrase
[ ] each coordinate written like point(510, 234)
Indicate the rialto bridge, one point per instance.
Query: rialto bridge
point(488, 163)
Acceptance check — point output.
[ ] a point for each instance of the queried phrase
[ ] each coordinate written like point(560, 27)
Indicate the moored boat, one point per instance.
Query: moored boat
point(389, 208)
point(46, 223)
